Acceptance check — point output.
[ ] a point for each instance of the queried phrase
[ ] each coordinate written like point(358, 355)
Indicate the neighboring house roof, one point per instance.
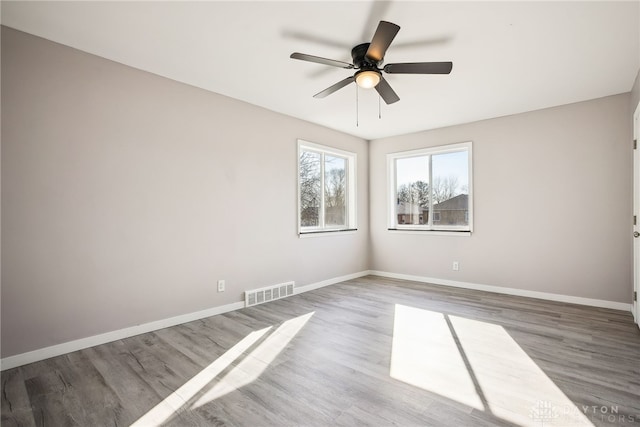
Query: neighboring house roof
point(457, 203)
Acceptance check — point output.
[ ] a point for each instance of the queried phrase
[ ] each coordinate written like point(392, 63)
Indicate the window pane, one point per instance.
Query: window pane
point(412, 190)
point(310, 189)
point(450, 188)
point(335, 190)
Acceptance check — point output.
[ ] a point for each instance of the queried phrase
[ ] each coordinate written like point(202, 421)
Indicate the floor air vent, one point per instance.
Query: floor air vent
point(269, 293)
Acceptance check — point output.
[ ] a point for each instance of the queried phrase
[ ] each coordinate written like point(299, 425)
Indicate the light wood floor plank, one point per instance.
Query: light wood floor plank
point(326, 357)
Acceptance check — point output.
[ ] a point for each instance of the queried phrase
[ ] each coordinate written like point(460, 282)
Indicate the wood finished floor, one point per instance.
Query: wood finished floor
point(370, 351)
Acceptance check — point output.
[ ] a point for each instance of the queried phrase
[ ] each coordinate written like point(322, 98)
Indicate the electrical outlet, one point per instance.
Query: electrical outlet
point(220, 285)
point(456, 266)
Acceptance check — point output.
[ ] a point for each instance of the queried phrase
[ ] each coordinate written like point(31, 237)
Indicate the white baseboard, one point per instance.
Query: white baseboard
point(508, 291)
point(68, 347)
point(80, 344)
point(333, 281)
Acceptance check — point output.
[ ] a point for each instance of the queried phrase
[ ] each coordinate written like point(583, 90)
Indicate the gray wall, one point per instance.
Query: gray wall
point(126, 196)
point(635, 94)
point(553, 203)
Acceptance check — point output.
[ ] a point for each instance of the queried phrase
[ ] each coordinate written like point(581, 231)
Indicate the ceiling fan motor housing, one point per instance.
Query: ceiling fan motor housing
point(360, 60)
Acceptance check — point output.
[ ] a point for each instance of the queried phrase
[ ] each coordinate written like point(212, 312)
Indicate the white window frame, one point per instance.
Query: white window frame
point(392, 218)
point(350, 197)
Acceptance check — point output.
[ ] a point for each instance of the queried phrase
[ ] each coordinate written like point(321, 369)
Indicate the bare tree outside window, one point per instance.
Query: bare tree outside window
point(310, 192)
point(335, 190)
point(412, 192)
point(327, 187)
point(413, 203)
point(445, 188)
point(450, 188)
point(416, 193)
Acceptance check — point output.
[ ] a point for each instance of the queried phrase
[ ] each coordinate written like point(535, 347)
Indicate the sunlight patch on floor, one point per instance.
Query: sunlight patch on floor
point(250, 367)
point(478, 364)
point(171, 404)
point(253, 365)
point(422, 346)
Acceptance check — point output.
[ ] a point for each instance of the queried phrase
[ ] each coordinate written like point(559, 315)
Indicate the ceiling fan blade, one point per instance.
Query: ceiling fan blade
point(382, 38)
point(386, 92)
point(376, 12)
point(319, 60)
point(419, 68)
point(335, 87)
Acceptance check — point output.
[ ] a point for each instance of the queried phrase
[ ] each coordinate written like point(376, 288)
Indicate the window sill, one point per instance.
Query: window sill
point(461, 233)
point(323, 233)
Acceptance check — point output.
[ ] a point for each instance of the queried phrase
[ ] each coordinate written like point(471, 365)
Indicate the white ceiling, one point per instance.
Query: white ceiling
point(508, 57)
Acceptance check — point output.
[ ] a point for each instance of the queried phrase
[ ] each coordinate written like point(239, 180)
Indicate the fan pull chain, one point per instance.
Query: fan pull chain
point(379, 110)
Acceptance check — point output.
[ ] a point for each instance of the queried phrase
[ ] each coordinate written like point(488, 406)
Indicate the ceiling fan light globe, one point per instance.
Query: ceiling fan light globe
point(367, 79)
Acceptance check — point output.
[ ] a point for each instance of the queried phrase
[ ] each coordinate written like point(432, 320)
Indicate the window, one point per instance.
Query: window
point(326, 189)
point(430, 189)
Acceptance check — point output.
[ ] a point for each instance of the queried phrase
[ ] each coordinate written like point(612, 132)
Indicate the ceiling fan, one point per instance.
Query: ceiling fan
point(368, 58)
